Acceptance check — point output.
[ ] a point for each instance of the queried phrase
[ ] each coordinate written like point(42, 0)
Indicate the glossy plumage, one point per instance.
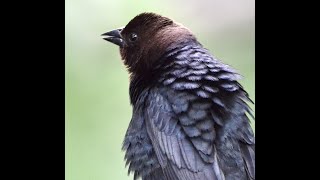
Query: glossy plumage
point(189, 117)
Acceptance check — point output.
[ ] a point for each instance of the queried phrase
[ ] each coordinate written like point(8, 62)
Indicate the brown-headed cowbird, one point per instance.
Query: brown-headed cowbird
point(189, 117)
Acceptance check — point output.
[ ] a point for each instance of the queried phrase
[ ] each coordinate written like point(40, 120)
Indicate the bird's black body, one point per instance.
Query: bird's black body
point(189, 119)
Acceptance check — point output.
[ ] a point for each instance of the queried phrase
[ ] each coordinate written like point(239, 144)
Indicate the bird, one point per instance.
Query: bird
point(190, 115)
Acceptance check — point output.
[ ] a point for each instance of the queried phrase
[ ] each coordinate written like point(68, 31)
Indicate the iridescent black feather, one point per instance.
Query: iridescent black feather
point(189, 117)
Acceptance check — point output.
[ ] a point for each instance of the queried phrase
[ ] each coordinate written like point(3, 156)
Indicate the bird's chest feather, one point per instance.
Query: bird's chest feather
point(139, 153)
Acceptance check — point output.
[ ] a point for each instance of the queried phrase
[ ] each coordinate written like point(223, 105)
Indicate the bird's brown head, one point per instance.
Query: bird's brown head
point(146, 38)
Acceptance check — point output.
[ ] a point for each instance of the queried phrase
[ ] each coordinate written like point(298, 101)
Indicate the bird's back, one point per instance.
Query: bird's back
point(189, 121)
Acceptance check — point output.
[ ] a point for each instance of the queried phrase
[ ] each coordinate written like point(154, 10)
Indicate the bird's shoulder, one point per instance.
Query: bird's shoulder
point(192, 67)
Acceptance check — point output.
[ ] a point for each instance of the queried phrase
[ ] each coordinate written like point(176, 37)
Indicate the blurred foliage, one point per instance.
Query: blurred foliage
point(97, 101)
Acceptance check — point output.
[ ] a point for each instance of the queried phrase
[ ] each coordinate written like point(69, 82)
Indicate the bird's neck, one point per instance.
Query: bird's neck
point(139, 83)
point(143, 79)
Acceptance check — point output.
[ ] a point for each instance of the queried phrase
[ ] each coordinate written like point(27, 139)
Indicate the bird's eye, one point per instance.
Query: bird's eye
point(133, 37)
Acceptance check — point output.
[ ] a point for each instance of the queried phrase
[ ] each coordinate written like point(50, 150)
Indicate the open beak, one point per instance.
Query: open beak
point(114, 37)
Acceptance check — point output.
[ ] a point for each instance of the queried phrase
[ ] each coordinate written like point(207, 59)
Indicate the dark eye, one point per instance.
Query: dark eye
point(133, 37)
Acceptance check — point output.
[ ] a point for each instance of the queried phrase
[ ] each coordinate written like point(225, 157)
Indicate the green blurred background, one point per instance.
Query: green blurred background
point(97, 101)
